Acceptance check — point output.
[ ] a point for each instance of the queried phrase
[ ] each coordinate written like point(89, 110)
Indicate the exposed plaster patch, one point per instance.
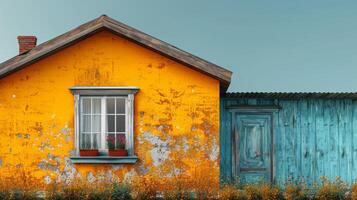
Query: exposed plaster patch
point(108, 175)
point(102, 176)
point(45, 165)
point(143, 170)
point(174, 172)
point(117, 167)
point(162, 127)
point(90, 177)
point(47, 180)
point(45, 145)
point(42, 165)
point(214, 151)
point(53, 157)
point(129, 176)
point(161, 150)
point(66, 132)
point(72, 152)
point(69, 171)
point(185, 145)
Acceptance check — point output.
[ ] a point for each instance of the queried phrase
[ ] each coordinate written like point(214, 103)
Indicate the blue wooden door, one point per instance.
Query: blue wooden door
point(253, 151)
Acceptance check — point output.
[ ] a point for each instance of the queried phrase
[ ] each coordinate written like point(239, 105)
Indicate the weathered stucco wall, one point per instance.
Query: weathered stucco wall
point(176, 113)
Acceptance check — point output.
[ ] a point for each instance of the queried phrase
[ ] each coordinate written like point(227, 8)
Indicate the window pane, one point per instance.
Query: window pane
point(99, 139)
point(82, 145)
point(120, 106)
point(110, 105)
point(120, 141)
point(120, 123)
point(86, 123)
point(110, 123)
point(86, 105)
point(95, 140)
point(96, 123)
point(85, 141)
point(96, 103)
point(111, 141)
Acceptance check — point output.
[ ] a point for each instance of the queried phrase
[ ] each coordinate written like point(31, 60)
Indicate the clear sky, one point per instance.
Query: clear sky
point(276, 45)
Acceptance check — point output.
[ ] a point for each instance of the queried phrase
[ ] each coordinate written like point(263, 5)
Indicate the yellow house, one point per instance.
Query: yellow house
point(105, 99)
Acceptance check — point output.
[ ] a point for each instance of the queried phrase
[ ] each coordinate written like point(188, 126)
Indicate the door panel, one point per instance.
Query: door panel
point(253, 147)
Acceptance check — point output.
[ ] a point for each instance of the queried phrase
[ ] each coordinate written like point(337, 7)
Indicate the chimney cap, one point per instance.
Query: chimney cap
point(22, 37)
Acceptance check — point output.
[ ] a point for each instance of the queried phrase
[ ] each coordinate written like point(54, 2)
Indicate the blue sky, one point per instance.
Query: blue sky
point(277, 45)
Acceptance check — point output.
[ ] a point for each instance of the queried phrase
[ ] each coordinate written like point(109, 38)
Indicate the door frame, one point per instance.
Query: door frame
point(258, 110)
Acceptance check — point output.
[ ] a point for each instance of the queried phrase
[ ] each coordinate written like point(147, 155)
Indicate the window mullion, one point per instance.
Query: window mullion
point(91, 123)
point(103, 124)
point(126, 123)
point(115, 122)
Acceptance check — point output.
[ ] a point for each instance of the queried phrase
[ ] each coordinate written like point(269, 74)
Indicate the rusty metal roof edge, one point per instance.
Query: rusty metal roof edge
point(292, 95)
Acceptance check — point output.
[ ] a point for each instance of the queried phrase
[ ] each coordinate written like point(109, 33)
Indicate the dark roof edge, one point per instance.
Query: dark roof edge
point(292, 95)
point(107, 23)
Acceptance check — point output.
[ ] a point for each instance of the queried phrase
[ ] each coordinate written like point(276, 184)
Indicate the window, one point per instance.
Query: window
point(103, 113)
point(102, 118)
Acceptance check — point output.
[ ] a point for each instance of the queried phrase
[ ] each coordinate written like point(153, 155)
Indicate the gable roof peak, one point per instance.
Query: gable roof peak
point(102, 17)
point(104, 22)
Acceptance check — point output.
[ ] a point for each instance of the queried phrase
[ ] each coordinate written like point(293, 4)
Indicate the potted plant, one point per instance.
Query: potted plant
point(88, 152)
point(117, 148)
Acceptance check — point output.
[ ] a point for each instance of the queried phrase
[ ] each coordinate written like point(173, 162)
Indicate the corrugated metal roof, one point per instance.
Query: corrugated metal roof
point(292, 95)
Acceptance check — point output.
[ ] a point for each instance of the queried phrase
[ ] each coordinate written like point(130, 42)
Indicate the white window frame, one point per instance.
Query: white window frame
point(125, 92)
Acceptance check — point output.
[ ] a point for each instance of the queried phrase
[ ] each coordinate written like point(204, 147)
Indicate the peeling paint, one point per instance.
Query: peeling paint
point(160, 151)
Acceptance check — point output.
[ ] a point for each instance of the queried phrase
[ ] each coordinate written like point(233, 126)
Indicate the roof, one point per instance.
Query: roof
point(293, 95)
point(106, 23)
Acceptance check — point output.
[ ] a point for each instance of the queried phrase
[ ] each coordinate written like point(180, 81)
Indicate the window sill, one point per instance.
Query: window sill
point(104, 159)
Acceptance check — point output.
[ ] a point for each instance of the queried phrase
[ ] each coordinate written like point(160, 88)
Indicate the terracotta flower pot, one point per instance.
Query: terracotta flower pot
point(89, 152)
point(118, 152)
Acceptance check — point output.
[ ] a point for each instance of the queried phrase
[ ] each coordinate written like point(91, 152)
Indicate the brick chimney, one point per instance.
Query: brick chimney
point(26, 43)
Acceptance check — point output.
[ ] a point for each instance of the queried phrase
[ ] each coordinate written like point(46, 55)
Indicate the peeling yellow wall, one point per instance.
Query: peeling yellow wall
point(176, 113)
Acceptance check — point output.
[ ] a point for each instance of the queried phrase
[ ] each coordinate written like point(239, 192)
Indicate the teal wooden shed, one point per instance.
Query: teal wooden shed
point(281, 137)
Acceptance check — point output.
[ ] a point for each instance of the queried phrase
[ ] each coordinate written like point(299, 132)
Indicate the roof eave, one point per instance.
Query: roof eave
point(106, 23)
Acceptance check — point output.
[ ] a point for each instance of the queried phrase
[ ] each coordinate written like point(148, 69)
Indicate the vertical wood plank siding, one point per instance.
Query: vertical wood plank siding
point(313, 138)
